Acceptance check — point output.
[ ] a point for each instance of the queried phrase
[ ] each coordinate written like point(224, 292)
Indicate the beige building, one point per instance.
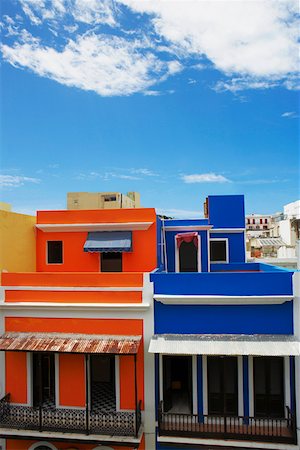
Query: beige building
point(17, 240)
point(102, 200)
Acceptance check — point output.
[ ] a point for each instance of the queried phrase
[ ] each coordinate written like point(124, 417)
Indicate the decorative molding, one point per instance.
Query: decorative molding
point(222, 299)
point(115, 226)
point(55, 307)
point(188, 228)
point(227, 230)
point(75, 288)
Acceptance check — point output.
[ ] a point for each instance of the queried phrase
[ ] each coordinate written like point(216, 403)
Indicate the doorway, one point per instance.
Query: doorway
point(268, 386)
point(188, 257)
point(103, 391)
point(43, 366)
point(177, 384)
point(222, 381)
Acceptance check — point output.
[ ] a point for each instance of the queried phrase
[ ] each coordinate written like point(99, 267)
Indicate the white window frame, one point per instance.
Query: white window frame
point(198, 256)
point(227, 250)
point(62, 245)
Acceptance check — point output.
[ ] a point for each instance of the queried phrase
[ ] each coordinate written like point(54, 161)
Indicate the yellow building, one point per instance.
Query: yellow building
point(102, 200)
point(17, 240)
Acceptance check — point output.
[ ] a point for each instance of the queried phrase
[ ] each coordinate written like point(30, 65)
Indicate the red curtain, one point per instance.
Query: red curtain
point(187, 237)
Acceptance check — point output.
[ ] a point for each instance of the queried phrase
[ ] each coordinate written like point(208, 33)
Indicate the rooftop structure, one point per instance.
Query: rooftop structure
point(102, 200)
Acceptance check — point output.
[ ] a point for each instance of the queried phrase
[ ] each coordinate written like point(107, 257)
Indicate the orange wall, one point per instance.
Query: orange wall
point(16, 376)
point(72, 279)
point(141, 259)
point(71, 380)
point(68, 396)
point(73, 297)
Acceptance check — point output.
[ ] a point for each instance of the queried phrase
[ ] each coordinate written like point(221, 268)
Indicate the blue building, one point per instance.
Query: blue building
point(224, 339)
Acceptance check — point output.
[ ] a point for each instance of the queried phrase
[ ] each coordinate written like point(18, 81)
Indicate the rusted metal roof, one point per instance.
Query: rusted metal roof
point(70, 343)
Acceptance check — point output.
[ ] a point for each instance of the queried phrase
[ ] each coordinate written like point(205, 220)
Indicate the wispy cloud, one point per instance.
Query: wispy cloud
point(179, 213)
point(253, 45)
point(204, 178)
point(146, 172)
point(290, 115)
point(263, 181)
point(16, 181)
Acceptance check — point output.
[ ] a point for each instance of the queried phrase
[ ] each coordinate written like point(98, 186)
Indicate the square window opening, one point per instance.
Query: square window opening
point(54, 252)
point(111, 262)
point(218, 251)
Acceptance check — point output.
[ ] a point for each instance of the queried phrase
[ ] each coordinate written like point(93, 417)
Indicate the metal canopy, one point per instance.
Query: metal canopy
point(70, 343)
point(231, 344)
point(108, 241)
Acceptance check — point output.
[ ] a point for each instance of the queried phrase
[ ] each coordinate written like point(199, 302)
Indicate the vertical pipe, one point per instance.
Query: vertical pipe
point(40, 377)
point(87, 428)
point(135, 397)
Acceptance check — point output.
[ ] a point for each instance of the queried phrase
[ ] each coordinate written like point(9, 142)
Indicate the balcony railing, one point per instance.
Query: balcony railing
point(267, 429)
point(69, 420)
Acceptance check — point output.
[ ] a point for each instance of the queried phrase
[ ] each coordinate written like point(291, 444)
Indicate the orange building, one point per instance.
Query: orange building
point(76, 332)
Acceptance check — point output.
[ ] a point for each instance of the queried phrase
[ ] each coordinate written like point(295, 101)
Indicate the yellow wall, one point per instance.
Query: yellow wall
point(17, 242)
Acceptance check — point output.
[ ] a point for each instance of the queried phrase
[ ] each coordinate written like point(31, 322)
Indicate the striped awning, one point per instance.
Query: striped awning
point(70, 343)
point(108, 241)
point(225, 344)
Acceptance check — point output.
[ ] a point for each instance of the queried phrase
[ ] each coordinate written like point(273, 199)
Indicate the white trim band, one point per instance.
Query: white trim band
point(222, 299)
point(74, 288)
point(115, 226)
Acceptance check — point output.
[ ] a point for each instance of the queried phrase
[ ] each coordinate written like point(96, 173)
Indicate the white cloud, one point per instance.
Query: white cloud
point(107, 65)
point(240, 84)
point(146, 172)
point(250, 38)
point(16, 181)
point(179, 213)
point(204, 178)
point(290, 114)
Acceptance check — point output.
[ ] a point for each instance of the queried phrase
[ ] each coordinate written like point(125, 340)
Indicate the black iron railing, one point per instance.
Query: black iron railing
point(69, 420)
point(268, 429)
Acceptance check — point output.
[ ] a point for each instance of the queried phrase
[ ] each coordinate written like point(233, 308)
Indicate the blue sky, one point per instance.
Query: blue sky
point(175, 100)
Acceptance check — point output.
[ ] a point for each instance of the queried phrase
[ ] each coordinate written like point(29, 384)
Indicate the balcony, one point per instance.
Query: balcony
point(267, 429)
point(244, 279)
point(17, 417)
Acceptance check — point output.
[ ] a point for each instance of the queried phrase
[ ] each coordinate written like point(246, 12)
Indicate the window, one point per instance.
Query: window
point(218, 250)
point(110, 198)
point(54, 252)
point(111, 262)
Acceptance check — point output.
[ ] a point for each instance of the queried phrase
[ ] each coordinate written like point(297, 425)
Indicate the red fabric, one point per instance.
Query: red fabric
point(187, 237)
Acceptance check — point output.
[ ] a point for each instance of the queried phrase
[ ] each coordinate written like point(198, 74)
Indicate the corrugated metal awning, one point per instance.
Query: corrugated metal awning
point(108, 241)
point(270, 242)
point(222, 344)
point(70, 343)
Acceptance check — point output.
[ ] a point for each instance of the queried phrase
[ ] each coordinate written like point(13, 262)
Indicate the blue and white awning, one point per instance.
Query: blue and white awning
point(108, 241)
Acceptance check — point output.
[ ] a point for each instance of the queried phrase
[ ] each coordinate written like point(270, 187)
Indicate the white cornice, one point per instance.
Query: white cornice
point(188, 228)
point(56, 307)
point(74, 288)
point(116, 226)
point(227, 230)
point(222, 299)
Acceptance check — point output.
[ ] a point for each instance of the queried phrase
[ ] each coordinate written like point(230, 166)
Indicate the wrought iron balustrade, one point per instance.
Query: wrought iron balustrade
point(115, 423)
point(266, 429)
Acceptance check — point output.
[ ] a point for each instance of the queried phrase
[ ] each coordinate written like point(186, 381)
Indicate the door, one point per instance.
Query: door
point(43, 379)
point(103, 392)
point(188, 257)
point(222, 385)
point(268, 387)
point(177, 384)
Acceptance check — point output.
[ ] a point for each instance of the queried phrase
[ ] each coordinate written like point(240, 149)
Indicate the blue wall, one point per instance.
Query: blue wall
point(219, 319)
point(226, 211)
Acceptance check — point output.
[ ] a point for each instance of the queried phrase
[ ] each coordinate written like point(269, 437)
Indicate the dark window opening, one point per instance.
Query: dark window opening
point(188, 257)
point(268, 387)
point(222, 385)
point(111, 262)
point(43, 379)
point(54, 252)
point(218, 251)
point(103, 392)
point(110, 198)
point(177, 384)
